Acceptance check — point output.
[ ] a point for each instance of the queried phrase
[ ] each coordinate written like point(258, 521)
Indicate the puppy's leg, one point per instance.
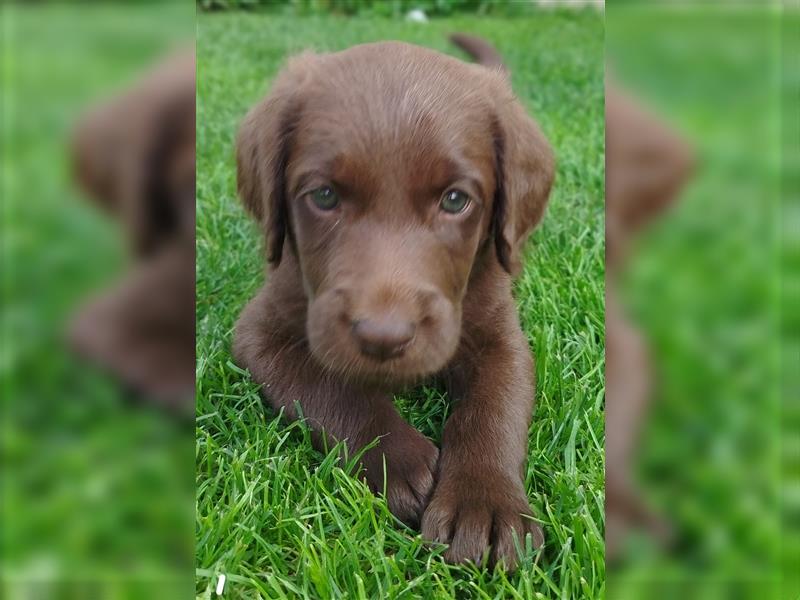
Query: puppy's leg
point(479, 500)
point(337, 410)
point(142, 329)
point(628, 383)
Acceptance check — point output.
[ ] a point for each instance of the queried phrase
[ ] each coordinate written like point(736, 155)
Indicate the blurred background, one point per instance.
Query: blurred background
point(384, 8)
point(96, 481)
point(707, 289)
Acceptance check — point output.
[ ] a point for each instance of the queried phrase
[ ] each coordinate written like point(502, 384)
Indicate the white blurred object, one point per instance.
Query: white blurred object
point(574, 4)
point(220, 585)
point(417, 16)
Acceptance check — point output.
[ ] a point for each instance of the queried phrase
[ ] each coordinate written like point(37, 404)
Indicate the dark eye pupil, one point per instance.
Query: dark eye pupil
point(454, 202)
point(325, 198)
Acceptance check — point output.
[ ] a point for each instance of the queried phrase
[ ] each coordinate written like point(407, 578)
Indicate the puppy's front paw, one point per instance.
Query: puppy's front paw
point(475, 515)
point(410, 460)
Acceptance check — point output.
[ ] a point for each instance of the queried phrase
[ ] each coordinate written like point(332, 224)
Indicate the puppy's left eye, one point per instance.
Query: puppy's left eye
point(325, 198)
point(454, 202)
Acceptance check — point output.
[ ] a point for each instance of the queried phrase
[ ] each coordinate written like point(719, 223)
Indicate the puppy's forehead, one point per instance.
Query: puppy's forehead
point(395, 69)
point(384, 86)
point(393, 102)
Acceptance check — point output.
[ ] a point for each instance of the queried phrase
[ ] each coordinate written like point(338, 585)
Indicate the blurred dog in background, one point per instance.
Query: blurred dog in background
point(134, 155)
point(647, 165)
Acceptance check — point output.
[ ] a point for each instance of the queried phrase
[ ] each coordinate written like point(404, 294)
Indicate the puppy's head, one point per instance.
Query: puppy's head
point(391, 171)
point(647, 165)
point(134, 154)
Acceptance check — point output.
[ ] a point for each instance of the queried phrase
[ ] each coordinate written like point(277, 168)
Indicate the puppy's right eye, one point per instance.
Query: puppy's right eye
point(324, 198)
point(454, 202)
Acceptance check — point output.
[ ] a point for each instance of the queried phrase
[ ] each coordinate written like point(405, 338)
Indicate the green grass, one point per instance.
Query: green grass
point(374, 8)
point(282, 520)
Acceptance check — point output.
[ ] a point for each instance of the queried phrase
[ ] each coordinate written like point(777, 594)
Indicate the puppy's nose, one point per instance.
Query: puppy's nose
point(383, 338)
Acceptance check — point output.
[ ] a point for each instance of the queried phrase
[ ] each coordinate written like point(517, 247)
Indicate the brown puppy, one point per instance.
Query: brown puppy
point(396, 187)
point(647, 165)
point(134, 155)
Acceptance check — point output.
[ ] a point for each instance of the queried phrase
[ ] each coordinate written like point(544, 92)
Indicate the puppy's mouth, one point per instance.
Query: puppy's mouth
point(384, 368)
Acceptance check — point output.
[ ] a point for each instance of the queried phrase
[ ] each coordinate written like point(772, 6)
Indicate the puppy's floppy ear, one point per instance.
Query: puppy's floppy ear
point(262, 153)
point(525, 168)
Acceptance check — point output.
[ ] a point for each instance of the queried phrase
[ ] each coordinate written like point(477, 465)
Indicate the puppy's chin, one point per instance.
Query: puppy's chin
point(334, 348)
point(392, 374)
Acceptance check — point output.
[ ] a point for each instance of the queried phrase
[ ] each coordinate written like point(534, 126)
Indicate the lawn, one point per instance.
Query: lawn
point(280, 519)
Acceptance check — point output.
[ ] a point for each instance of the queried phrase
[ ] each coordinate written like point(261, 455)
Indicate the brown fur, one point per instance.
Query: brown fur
point(647, 164)
point(134, 155)
point(392, 127)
